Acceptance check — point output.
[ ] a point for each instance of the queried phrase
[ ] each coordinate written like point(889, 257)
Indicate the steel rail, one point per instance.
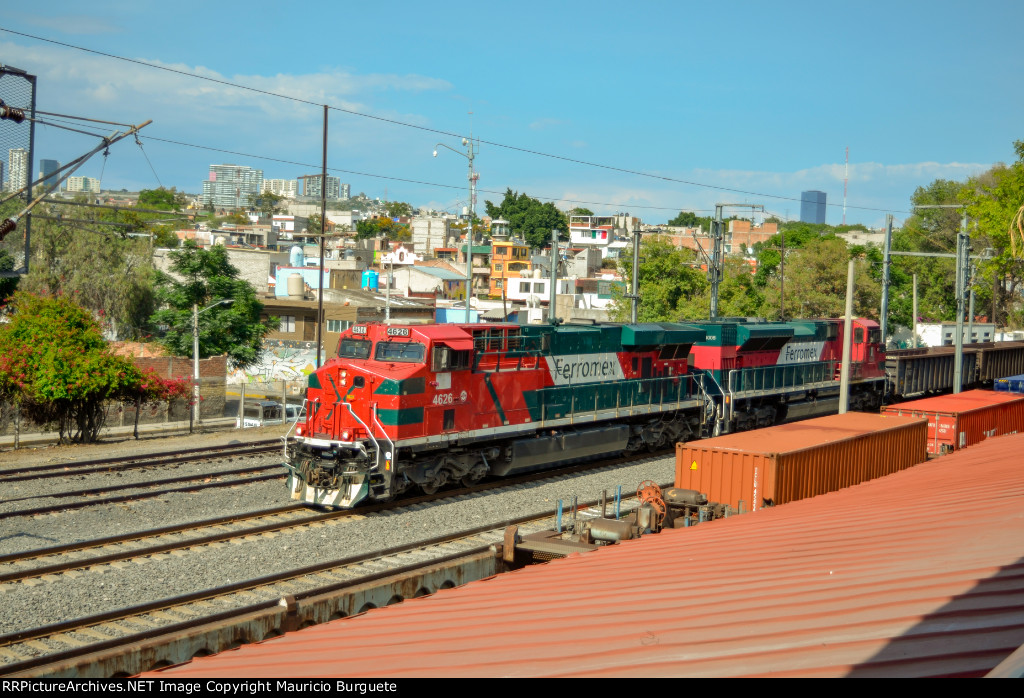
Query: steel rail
point(139, 495)
point(251, 585)
point(147, 460)
point(220, 536)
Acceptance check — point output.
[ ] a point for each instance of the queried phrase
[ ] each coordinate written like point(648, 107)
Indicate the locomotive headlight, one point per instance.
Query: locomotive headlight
point(298, 431)
point(345, 436)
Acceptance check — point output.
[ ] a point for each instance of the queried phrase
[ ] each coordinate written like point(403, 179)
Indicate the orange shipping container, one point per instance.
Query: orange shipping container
point(964, 419)
point(799, 460)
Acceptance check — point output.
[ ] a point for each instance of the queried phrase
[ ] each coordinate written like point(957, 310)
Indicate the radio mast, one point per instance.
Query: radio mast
point(846, 178)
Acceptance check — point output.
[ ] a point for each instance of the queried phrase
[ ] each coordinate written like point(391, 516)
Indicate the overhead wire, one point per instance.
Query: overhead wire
point(405, 180)
point(420, 127)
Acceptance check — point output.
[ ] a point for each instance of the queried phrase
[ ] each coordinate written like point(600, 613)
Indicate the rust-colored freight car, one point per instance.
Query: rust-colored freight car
point(956, 421)
point(799, 460)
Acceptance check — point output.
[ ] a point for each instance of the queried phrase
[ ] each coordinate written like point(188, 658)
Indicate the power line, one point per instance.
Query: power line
point(397, 179)
point(427, 129)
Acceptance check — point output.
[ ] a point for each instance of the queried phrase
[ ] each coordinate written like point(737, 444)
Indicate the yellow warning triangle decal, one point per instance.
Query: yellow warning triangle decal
point(693, 465)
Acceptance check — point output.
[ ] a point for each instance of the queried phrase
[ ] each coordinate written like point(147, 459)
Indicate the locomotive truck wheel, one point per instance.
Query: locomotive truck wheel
point(439, 481)
point(475, 475)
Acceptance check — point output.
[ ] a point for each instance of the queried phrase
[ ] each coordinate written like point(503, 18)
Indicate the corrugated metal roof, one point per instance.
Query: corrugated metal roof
point(443, 274)
point(916, 574)
point(796, 436)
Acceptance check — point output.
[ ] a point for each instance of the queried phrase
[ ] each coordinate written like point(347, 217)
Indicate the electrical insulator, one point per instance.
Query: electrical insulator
point(6, 226)
point(11, 114)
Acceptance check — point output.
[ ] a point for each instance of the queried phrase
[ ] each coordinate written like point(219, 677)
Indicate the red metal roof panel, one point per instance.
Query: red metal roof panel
point(919, 573)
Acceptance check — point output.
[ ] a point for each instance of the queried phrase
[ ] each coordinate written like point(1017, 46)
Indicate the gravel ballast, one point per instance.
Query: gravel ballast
point(90, 592)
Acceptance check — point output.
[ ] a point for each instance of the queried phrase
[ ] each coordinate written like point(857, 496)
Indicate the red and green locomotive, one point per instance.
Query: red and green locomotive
point(406, 406)
point(421, 406)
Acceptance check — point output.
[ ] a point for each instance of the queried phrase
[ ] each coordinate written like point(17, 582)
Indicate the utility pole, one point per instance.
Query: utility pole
point(472, 214)
point(323, 242)
point(963, 251)
point(844, 370)
point(715, 270)
point(469, 155)
point(886, 262)
point(963, 261)
point(554, 277)
point(634, 293)
point(715, 273)
point(782, 278)
point(913, 331)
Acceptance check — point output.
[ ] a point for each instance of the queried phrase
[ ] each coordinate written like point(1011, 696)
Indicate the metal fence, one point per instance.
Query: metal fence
point(284, 392)
point(17, 90)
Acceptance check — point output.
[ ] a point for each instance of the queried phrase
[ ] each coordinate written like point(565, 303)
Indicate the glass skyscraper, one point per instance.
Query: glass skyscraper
point(812, 207)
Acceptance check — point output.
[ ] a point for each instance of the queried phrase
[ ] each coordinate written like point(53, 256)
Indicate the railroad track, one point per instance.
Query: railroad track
point(149, 460)
point(42, 564)
point(71, 648)
point(198, 481)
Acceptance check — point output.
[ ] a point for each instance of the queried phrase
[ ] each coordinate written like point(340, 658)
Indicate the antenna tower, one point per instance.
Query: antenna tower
point(846, 178)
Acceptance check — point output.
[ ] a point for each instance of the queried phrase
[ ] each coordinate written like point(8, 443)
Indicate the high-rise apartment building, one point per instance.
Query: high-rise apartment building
point(17, 168)
point(311, 186)
point(86, 184)
point(47, 170)
point(346, 191)
point(812, 206)
point(288, 188)
point(229, 186)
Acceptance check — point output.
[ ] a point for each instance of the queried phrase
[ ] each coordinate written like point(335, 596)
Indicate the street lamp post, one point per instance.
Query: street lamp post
point(195, 353)
point(469, 155)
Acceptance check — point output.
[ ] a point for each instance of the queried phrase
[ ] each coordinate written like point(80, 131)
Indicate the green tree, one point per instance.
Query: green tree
point(739, 294)
point(164, 236)
point(160, 199)
point(793, 235)
point(816, 283)
point(995, 198)
point(79, 260)
point(581, 211)
point(56, 365)
point(366, 230)
point(927, 230)
point(672, 286)
point(397, 209)
point(689, 219)
point(8, 284)
point(205, 277)
point(529, 218)
point(267, 203)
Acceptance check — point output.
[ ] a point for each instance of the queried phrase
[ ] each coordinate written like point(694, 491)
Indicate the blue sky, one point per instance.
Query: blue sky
point(758, 97)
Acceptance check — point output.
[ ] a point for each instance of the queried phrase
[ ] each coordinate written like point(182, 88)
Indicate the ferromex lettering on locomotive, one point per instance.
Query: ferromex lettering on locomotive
point(419, 407)
point(585, 368)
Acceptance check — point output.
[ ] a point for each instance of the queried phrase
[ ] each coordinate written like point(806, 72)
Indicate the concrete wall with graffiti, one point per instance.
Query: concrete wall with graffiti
point(283, 361)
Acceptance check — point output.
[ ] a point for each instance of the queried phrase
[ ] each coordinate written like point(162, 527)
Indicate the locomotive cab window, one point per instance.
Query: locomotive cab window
point(447, 359)
point(858, 335)
point(403, 352)
point(354, 349)
point(874, 336)
point(832, 332)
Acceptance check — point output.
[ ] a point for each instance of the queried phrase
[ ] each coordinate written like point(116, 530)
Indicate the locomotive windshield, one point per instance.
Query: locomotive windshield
point(354, 349)
point(406, 352)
